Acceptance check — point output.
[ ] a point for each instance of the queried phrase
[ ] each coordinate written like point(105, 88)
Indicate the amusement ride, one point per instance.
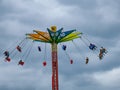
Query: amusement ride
point(52, 37)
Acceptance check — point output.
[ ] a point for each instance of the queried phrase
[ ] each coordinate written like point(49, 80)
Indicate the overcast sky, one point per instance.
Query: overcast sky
point(98, 20)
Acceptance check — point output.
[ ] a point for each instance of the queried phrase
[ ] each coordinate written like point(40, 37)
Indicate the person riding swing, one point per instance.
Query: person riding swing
point(19, 48)
point(92, 46)
point(64, 47)
point(21, 63)
point(6, 53)
point(87, 60)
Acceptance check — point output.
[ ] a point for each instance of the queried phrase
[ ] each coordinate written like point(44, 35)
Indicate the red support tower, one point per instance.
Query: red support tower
point(54, 67)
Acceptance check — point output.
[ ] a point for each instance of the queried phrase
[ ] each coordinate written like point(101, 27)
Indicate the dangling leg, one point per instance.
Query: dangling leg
point(100, 56)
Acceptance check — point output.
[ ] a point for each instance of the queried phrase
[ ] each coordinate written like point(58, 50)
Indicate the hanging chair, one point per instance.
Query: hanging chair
point(6, 53)
point(39, 48)
point(19, 48)
point(71, 61)
point(44, 63)
point(92, 46)
point(87, 60)
point(64, 47)
point(7, 59)
point(21, 63)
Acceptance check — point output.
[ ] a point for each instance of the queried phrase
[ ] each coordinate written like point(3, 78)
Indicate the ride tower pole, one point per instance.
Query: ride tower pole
point(54, 67)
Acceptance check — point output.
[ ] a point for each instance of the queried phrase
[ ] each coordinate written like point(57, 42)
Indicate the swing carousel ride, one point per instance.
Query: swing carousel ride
point(52, 37)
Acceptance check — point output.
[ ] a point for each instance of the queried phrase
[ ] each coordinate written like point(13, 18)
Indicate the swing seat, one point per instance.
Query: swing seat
point(87, 61)
point(21, 63)
point(92, 47)
point(39, 49)
point(44, 63)
point(6, 53)
point(64, 47)
point(19, 48)
point(71, 61)
point(7, 59)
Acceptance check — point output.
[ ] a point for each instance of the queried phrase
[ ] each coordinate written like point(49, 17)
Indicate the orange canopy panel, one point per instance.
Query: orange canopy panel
point(43, 34)
point(37, 37)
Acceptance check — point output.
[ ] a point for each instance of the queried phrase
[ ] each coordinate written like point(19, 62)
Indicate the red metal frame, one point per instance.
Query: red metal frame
point(54, 67)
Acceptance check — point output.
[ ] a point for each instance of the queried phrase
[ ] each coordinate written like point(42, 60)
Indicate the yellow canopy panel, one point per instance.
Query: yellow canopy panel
point(72, 35)
point(69, 39)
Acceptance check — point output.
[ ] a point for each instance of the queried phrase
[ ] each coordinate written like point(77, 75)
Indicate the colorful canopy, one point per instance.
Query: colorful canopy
point(53, 35)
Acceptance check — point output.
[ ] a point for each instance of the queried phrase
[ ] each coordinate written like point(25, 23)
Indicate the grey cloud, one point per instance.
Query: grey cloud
point(81, 3)
point(98, 19)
